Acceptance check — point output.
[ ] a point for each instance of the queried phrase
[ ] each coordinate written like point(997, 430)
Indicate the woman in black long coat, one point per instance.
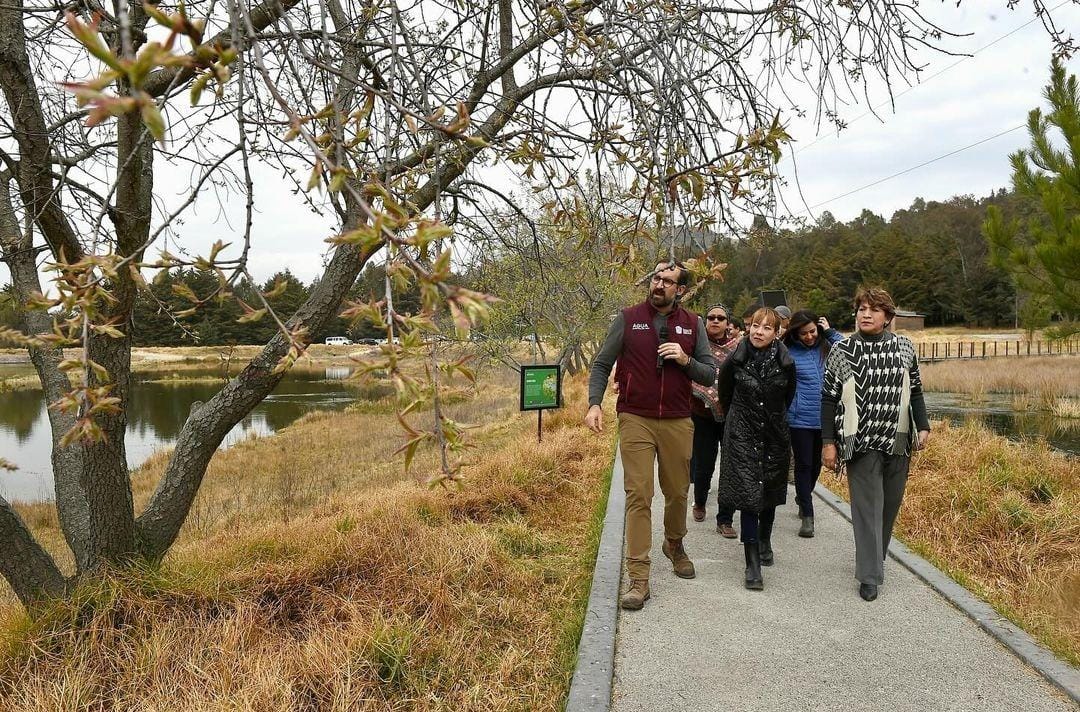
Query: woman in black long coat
point(755, 387)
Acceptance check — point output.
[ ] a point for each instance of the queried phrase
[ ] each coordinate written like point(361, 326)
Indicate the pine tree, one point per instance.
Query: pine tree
point(1043, 251)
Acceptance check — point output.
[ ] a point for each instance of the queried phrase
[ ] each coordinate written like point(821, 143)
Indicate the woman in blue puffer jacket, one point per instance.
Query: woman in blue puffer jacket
point(808, 339)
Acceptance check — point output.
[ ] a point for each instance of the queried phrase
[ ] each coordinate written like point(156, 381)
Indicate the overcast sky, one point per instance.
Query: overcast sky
point(979, 97)
point(982, 96)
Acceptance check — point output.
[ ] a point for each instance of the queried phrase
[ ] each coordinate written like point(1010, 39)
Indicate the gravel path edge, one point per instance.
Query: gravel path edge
point(590, 689)
point(1058, 672)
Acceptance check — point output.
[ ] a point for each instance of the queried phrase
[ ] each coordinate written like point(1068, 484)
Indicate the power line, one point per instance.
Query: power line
point(912, 168)
point(936, 74)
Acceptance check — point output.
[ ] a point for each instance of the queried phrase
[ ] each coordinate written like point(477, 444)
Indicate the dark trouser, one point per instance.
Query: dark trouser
point(725, 516)
point(756, 527)
point(876, 482)
point(806, 449)
point(707, 436)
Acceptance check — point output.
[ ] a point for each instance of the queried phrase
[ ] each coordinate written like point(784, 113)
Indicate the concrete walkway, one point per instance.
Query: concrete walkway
point(807, 642)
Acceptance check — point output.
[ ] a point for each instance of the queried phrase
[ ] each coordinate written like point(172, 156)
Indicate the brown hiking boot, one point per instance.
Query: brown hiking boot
point(699, 514)
point(636, 595)
point(727, 531)
point(680, 562)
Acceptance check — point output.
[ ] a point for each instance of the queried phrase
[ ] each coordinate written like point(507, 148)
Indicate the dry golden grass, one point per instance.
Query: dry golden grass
point(189, 364)
point(961, 334)
point(1003, 519)
point(177, 361)
point(274, 479)
point(20, 383)
point(1050, 377)
point(348, 589)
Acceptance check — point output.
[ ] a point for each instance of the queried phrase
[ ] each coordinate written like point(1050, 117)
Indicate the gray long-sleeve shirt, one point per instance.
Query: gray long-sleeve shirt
point(701, 369)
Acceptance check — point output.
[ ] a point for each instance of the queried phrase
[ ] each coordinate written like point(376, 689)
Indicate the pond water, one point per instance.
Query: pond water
point(156, 414)
point(158, 411)
point(996, 411)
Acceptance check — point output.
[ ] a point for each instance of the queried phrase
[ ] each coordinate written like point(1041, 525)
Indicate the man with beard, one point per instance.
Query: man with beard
point(653, 342)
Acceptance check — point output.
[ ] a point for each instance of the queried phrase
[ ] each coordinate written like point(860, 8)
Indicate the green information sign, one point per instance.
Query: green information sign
point(541, 387)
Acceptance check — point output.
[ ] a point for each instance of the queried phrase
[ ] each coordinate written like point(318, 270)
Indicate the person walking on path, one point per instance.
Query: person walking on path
point(808, 340)
point(660, 348)
point(708, 419)
point(872, 416)
point(755, 388)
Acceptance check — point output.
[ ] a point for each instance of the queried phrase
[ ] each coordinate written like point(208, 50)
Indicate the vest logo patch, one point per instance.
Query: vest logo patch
point(639, 326)
point(682, 330)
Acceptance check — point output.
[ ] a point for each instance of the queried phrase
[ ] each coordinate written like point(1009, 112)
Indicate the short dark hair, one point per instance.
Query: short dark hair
point(684, 273)
point(875, 297)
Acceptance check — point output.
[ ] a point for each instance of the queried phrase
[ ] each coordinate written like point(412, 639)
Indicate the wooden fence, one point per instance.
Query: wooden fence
point(940, 351)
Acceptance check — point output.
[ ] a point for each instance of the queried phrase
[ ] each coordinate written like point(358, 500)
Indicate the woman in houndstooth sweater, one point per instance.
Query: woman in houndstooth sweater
point(872, 417)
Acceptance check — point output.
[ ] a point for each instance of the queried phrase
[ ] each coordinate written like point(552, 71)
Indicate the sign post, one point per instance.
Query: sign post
point(541, 389)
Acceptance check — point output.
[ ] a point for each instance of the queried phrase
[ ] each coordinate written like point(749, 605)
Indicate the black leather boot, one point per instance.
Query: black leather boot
point(765, 543)
point(754, 581)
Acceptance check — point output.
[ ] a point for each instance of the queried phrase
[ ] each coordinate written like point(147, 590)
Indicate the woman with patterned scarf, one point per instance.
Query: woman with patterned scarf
point(708, 418)
point(872, 417)
point(755, 388)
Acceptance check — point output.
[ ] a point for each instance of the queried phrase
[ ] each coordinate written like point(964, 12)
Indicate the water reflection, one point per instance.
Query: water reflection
point(18, 413)
point(338, 373)
point(157, 412)
point(995, 410)
point(159, 409)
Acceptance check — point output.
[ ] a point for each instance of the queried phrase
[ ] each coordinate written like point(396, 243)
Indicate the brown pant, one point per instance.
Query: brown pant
point(642, 442)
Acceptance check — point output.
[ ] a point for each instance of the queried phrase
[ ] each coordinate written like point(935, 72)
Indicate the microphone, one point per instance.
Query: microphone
point(663, 340)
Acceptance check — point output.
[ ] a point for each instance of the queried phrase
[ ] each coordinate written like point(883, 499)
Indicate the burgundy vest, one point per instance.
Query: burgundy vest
point(644, 389)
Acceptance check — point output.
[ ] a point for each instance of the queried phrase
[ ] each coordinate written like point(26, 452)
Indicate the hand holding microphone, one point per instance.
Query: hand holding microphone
point(660, 351)
point(669, 350)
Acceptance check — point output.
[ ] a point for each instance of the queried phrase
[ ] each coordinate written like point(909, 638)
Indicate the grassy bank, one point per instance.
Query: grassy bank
point(1050, 384)
point(176, 364)
point(1003, 519)
point(967, 334)
point(207, 364)
point(313, 576)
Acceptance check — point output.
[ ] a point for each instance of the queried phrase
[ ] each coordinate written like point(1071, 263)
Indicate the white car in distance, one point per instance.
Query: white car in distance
point(338, 341)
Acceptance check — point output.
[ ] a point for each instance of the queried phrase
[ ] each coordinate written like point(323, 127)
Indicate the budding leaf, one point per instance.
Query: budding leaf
point(107, 330)
point(252, 316)
point(198, 86)
point(153, 120)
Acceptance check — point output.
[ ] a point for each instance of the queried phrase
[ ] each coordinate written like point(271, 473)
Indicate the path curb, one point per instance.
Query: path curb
point(1062, 675)
point(590, 690)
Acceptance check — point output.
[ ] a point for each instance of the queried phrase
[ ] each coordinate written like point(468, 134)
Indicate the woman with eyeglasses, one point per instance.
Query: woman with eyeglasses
point(755, 387)
point(708, 419)
point(808, 340)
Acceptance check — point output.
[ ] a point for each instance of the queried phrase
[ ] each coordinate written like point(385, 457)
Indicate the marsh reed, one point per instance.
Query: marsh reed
point(315, 575)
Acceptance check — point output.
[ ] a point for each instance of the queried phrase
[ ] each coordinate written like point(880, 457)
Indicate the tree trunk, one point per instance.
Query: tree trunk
point(17, 251)
point(159, 524)
point(29, 568)
point(105, 476)
point(36, 187)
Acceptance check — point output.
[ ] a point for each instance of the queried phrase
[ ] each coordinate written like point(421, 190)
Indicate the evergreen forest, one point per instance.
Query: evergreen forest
point(932, 256)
